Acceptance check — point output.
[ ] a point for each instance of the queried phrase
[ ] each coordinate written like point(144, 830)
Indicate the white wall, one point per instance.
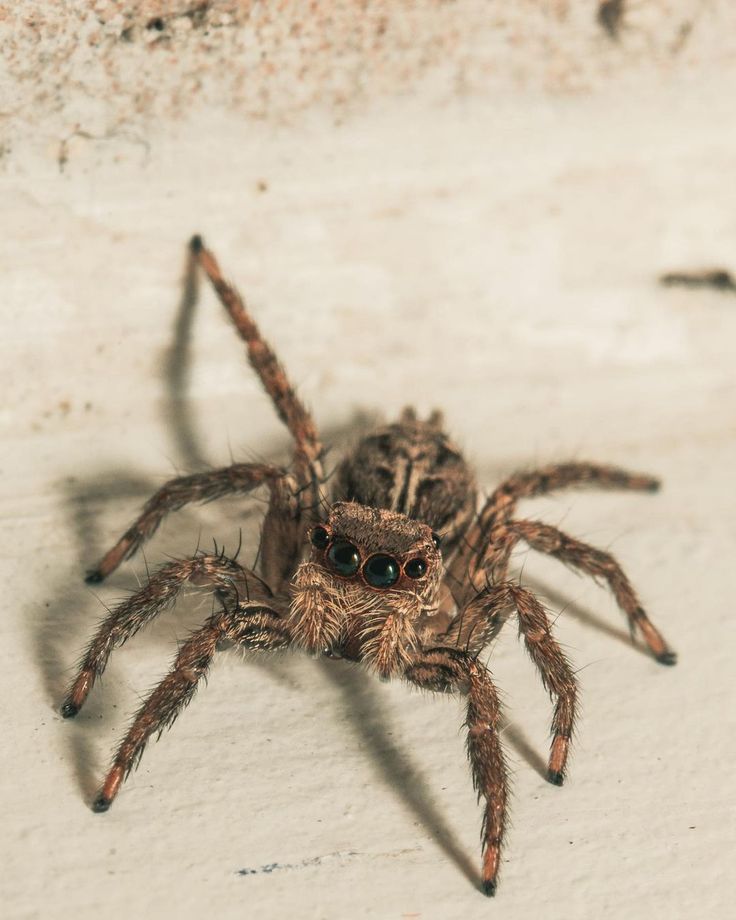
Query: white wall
point(455, 205)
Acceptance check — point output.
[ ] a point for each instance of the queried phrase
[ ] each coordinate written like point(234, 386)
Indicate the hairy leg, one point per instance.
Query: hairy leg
point(290, 409)
point(446, 670)
point(598, 564)
point(479, 622)
point(217, 572)
point(502, 503)
point(488, 542)
point(174, 495)
point(556, 673)
point(250, 625)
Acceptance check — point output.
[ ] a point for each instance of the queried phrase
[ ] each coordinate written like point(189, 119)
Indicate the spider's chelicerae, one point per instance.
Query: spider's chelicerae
point(398, 571)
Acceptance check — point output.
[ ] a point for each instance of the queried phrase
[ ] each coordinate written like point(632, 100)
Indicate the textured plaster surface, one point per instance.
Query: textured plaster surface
point(489, 246)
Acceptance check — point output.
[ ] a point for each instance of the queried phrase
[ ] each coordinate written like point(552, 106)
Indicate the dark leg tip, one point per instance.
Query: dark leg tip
point(196, 244)
point(668, 658)
point(489, 888)
point(100, 804)
point(95, 577)
point(654, 486)
point(69, 710)
point(555, 777)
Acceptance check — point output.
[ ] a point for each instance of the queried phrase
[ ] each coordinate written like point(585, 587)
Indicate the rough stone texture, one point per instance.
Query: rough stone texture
point(469, 208)
point(96, 71)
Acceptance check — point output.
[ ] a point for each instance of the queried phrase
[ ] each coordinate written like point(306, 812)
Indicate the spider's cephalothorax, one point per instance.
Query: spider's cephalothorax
point(400, 572)
point(373, 577)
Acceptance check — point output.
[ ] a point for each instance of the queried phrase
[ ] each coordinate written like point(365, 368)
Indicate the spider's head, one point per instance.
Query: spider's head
point(372, 574)
point(377, 549)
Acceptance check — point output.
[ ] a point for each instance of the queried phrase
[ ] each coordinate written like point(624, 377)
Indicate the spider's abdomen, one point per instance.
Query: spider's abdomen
point(411, 467)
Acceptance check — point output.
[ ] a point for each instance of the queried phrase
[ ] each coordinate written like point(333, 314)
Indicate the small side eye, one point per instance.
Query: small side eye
point(381, 571)
point(319, 537)
point(344, 557)
point(436, 539)
point(415, 568)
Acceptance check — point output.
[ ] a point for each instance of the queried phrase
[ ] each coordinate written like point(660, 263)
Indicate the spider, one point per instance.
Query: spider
point(398, 570)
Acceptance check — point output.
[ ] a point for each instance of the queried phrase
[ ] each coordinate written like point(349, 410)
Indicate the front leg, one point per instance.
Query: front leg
point(218, 573)
point(446, 670)
point(477, 625)
point(264, 362)
point(250, 625)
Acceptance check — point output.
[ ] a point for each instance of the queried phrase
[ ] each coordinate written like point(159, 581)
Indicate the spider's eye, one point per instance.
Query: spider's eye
point(381, 571)
point(415, 568)
point(344, 557)
point(436, 539)
point(319, 537)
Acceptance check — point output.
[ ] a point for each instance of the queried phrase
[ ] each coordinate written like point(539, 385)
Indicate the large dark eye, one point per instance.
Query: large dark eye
point(381, 571)
point(415, 568)
point(436, 539)
point(319, 537)
point(344, 558)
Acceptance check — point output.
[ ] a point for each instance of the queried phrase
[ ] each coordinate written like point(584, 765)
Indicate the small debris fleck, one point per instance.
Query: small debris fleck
point(610, 17)
point(717, 278)
point(268, 868)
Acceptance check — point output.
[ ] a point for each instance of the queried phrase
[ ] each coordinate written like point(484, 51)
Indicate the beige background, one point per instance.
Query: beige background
point(445, 204)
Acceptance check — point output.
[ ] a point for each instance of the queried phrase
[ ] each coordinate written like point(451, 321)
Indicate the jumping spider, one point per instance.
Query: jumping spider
point(398, 571)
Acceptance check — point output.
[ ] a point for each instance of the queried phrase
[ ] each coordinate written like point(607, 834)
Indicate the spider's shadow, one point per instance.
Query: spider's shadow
point(369, 721)
point(559, 602)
